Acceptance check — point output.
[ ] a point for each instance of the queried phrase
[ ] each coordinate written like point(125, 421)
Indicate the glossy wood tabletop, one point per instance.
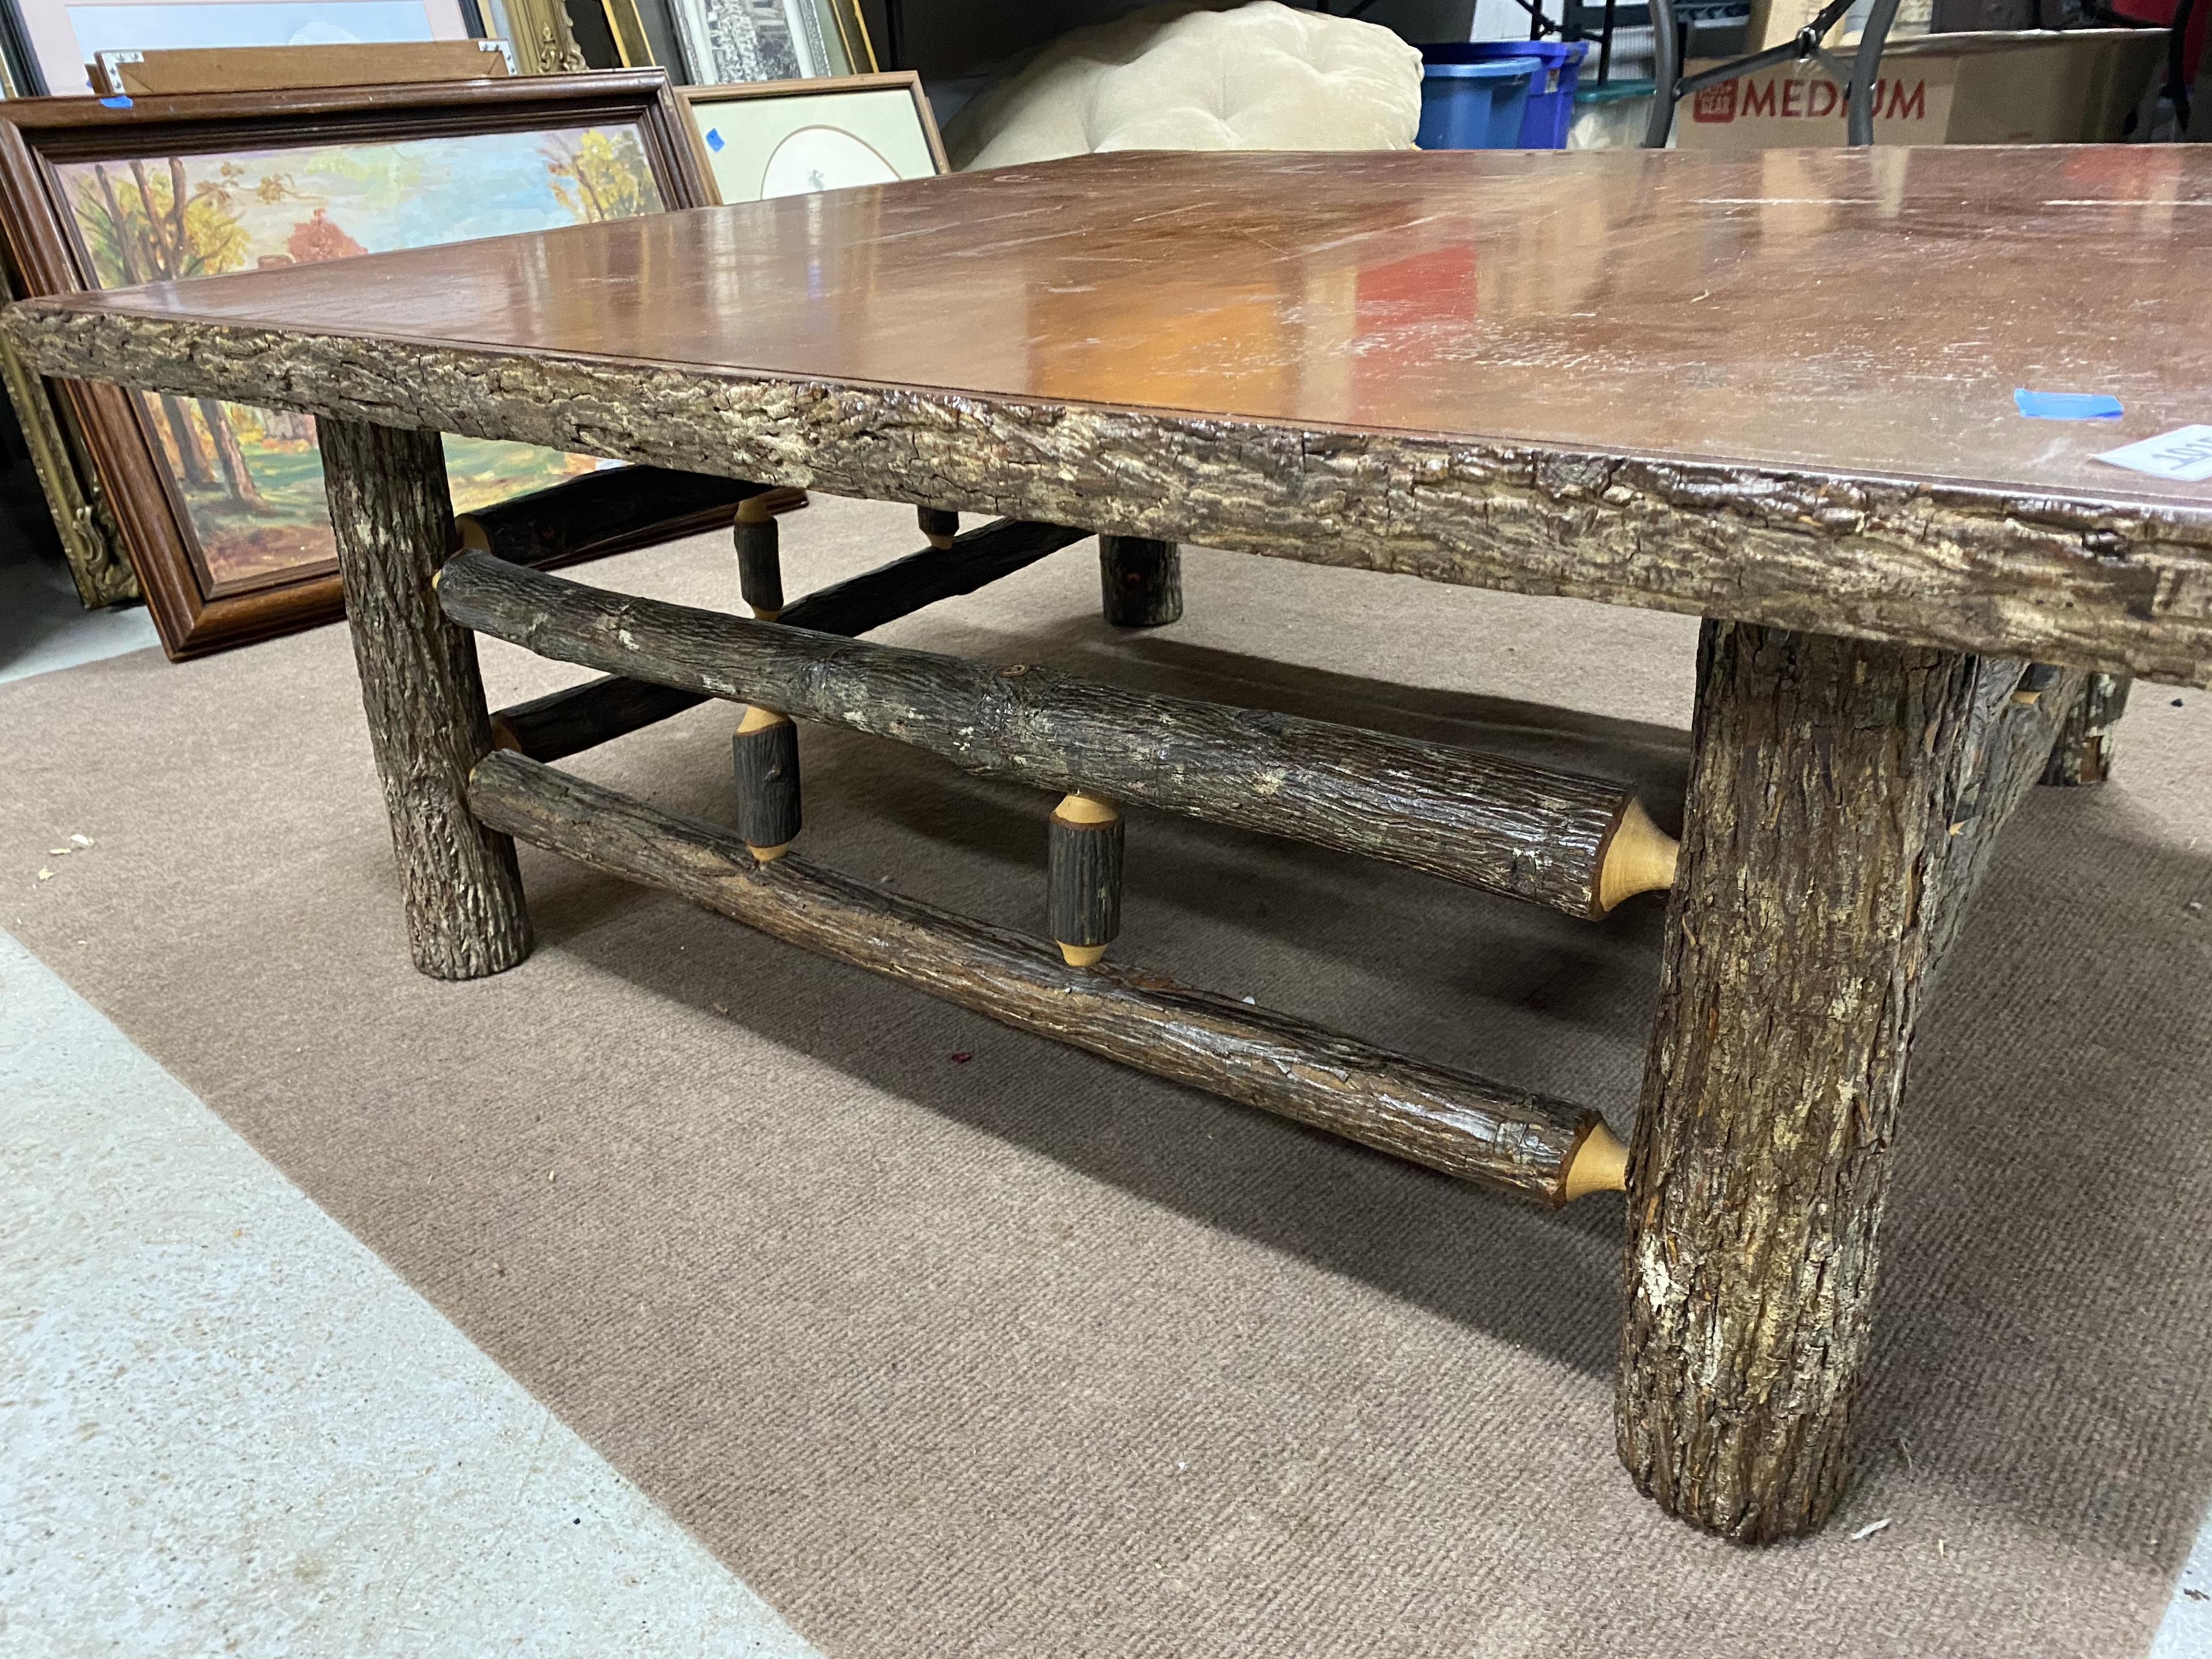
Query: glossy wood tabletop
point(1848, 310)
point(1867, 313)
point(1772, 387)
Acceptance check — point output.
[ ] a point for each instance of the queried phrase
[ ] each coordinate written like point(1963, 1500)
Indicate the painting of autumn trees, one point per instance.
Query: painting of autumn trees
point(250, 479)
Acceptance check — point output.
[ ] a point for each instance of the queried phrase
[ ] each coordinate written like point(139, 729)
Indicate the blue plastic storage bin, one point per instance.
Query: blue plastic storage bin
point(1550, 108)
point(1475, 105)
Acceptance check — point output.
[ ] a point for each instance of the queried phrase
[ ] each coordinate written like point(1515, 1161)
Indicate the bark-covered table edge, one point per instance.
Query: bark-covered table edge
point(2120, 586)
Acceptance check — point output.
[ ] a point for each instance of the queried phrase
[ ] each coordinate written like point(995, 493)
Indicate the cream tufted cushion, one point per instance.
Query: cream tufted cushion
point(1194, 77)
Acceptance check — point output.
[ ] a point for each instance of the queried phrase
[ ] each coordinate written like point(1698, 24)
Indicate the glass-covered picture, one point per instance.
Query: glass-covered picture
point(249, 480)
point(63, 36)
point(773, 40)
point(785, 138)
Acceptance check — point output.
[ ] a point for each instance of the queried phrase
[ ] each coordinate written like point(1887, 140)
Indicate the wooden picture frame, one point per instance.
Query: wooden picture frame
point(251, 69)
point(199, 603)
point(91, 543)
point(62, 37)
point(862, 116)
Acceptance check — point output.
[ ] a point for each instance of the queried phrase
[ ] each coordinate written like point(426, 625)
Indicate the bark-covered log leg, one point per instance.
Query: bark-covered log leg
point(2000, 763)
point(427, 724)
point(2088, 740)
point(1814, 865)
point(1140, 581)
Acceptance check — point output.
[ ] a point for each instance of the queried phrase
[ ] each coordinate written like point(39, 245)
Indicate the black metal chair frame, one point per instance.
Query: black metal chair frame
point(1671, 86)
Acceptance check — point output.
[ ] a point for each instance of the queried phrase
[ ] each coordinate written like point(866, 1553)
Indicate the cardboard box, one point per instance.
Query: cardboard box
point(1981, 16)
point(1773, 22)
point(2034, 86)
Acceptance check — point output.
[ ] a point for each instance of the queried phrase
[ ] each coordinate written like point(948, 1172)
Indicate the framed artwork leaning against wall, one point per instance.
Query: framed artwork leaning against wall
point(64, 36)
point(540, 32)
point(91, 543)
point(728, 40)
point(220, 507)
point(768, 139)
point(255, 69)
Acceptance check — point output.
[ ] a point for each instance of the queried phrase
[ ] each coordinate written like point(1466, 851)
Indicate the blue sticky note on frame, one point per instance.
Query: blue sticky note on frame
point(713, 138)
point(2066, 405)
point(115, 103)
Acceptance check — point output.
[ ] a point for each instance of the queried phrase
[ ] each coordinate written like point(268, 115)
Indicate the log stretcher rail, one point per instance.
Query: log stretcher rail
point(601, 513)
point(1576, 843)
point(578, 717)
point(1508, 1139)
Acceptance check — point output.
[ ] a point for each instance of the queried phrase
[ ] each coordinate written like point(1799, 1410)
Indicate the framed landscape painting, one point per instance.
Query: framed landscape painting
point(222, 506)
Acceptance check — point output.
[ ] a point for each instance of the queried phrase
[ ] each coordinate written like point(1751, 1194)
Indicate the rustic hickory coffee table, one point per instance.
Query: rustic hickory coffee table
point(1776, 392)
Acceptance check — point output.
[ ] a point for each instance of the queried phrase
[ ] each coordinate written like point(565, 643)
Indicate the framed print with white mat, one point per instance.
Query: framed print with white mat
point(787, 137)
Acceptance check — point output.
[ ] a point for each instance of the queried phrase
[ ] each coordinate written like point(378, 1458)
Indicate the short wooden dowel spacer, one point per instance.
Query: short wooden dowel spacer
point(941, 528)
point(764, 753)
point(1140, 581)
point(760, 560)
point(1083, 883)
point(1599, 1164)
point(1639, 858)
point(1079, 808)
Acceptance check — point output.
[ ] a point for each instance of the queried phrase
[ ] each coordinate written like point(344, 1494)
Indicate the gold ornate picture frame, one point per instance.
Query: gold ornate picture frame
point(538, 32)
point(90, 541)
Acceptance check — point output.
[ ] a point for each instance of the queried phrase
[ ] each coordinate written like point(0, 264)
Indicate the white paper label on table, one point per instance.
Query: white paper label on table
point(2185, 455)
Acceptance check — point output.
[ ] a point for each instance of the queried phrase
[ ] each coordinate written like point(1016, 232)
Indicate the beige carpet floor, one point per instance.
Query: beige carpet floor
point(950, 1341)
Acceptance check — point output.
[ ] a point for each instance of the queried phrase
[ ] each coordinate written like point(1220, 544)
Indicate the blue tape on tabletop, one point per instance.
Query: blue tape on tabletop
point(713, 138)
point(115, 103)
point(2066, 405)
